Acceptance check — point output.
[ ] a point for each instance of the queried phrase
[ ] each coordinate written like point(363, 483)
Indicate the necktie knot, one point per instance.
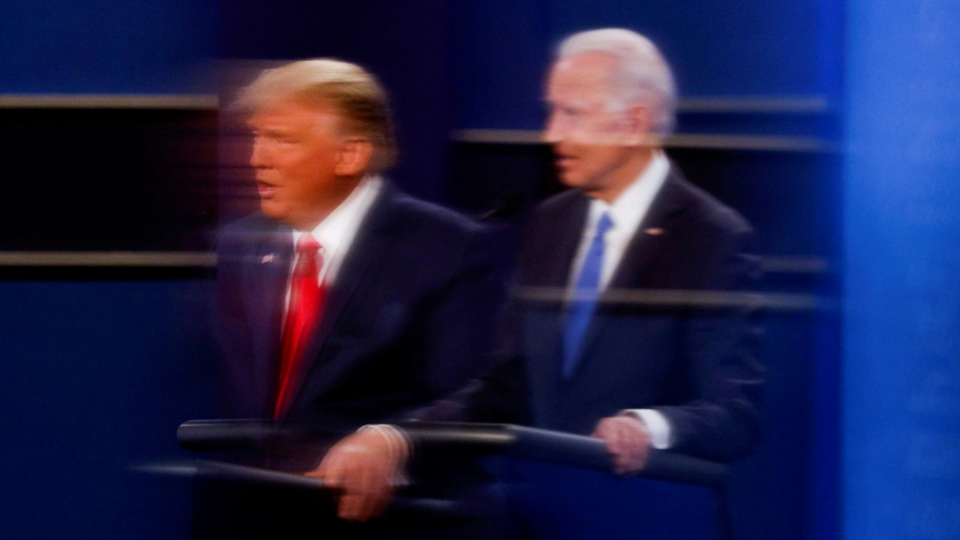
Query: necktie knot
point(603, 224)
point(589, 278)
point(308, 250)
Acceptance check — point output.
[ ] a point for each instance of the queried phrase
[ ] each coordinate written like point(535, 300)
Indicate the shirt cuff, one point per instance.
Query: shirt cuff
point(400, 448)
point(661, 437)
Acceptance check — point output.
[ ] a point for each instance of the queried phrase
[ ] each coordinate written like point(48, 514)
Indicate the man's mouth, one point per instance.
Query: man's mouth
point(265, 190)
point(564, 161)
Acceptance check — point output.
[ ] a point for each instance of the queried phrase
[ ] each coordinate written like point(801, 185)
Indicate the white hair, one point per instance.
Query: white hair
point(640, 74)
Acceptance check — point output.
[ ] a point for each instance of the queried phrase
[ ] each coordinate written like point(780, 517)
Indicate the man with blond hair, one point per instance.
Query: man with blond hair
point(345, 305)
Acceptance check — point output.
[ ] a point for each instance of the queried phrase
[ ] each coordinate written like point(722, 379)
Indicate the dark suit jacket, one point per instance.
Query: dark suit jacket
point(409, 319)
point(695, 365)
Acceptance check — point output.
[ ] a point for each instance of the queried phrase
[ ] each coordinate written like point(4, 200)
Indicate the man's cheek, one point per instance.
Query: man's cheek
point(581, 137)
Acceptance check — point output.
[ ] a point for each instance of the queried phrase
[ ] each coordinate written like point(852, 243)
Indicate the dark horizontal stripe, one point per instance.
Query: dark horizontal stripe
point(713, 142)
point(794, 265)
point(110, 101)
point(754, 105)
point(688, 299)
point(200, 259)
point(108, 259)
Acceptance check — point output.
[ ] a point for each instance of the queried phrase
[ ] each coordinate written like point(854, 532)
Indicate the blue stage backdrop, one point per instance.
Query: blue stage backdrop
point(95, 374)
point(108, 47)
point(901, 376)
point(97, 369)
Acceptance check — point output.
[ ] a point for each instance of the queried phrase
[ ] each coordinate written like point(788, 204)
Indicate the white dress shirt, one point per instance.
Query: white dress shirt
point(336, 232)
point(626, 213)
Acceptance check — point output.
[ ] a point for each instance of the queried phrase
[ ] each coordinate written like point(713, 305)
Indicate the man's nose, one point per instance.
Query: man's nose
point(259, 155)
point(555, 131)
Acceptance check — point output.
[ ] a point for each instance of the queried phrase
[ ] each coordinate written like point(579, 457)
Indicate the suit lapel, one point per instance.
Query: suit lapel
point(556, 267)
point(271, 263)
point(553, 256)
point(371, 240)
point(651, 235)
point(654, 231)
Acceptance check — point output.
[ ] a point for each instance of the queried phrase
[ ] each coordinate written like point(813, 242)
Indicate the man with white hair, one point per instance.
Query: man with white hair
point(619, 357)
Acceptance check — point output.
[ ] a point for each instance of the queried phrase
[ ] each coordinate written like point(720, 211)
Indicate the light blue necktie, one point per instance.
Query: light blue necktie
point(585, 294)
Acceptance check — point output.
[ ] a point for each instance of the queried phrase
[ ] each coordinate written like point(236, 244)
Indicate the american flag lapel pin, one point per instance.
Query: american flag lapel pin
point(267, 259)
point(653, 231)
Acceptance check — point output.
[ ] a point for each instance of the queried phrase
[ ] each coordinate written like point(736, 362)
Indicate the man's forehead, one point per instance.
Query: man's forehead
point(288, 111)
point(582, 76)
point(592, 65)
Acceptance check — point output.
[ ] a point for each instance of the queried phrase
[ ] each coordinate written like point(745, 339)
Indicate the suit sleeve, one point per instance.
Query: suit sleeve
point(473, 380)
point(721, 421)
point(232, 329)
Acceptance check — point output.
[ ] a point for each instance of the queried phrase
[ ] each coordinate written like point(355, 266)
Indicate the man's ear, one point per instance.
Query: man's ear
point(639, 119)
point(354, 156)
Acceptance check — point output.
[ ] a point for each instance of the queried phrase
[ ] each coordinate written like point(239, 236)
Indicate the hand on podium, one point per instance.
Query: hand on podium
point(627, 440)
point(367, 466)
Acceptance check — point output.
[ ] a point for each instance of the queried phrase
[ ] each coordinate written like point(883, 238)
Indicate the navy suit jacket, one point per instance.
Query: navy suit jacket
point(696, 365)
point(409, 319)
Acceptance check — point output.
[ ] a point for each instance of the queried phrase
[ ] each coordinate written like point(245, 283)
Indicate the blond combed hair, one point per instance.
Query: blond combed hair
point(356, 95)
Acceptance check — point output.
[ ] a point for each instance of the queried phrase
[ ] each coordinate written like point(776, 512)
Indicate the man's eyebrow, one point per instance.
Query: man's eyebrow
point(268, 131)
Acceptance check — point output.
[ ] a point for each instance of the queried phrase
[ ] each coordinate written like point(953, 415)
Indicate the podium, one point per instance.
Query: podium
point(549, 484)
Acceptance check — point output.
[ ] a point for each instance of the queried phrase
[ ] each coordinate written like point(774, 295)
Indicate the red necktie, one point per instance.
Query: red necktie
point(306, 301)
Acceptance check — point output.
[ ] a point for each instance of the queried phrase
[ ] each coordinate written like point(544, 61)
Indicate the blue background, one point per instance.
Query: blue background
point(863, 416)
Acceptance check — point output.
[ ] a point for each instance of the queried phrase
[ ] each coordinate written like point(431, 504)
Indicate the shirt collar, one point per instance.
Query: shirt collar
point(338, 228)
point(628, 209)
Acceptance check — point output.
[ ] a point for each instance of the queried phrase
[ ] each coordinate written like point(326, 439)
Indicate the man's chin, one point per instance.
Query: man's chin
point(569, 180)
point(271, 209)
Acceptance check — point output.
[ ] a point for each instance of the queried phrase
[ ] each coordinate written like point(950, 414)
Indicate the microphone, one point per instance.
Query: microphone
point(507, 205)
